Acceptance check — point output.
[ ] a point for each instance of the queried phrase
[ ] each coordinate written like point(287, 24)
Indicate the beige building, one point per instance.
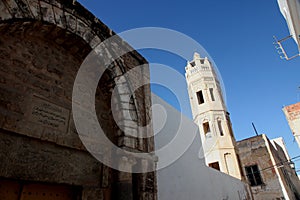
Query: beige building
point(210, 114)
point(268, 169)
point(292, 113)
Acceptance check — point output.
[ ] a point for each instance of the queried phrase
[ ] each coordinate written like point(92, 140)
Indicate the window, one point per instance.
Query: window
point(214, 165)
point(211, 91)
point(200, 97)
point(253, 175)
point(206, 128)
point(220, 127)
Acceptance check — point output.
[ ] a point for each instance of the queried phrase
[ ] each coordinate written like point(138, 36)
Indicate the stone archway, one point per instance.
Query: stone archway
point(39, 139)
point(42, 46)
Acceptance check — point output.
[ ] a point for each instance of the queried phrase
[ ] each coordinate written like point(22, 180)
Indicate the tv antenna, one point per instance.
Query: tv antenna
point(280, 49)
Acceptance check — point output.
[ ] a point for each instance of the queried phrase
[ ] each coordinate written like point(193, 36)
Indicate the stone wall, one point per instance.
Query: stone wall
point(35, 71)
point(42, 46)
point(292, 114)
point(288, 175)
point(259, 151)
point(33, 160)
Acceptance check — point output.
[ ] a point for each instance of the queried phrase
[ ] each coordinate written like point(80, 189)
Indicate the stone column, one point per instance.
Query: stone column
point(123, 183)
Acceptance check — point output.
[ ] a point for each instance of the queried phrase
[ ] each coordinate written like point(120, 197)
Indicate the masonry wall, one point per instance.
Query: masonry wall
point(288, 175)
point(258, 151)
point(292, 113)
point(42, 46)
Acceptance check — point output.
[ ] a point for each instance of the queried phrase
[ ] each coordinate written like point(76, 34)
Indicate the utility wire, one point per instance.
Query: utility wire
point(287, 161)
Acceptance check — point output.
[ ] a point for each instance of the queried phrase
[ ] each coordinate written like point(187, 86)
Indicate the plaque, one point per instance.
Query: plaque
point(48, 114)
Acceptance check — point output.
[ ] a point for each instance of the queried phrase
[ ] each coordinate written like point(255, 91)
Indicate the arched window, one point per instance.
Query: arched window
point(220, 127)
point(207, 129)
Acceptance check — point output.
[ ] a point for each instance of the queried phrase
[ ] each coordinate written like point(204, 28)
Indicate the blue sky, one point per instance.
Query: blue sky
point(238, 35)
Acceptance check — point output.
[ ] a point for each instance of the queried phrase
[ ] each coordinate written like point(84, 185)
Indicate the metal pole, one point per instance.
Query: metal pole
point(254, 129)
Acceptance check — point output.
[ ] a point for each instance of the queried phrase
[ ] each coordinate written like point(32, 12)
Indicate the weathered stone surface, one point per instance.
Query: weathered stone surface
point(33, 81)
point(22, 157)
point(92, 193)
point(276, 180)
point(48, 114)
point(13, 8)
point(24, 7)
point(34, 7)
point(47, 12)
point(42, 45)
point(4, 13)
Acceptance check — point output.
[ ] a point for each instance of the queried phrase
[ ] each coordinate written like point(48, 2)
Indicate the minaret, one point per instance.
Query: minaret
point(210, 113)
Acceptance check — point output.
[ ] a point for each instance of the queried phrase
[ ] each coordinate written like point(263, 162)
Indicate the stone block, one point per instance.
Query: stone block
point(92, 193)
point(71, 22)
point(55, 3)
point(4, 13)
point(82, 28)
point(13, 8)
point(127, 142)
point(95, 42)
point(60, 17)
point(128, 131)
point(47, 12)
point(88, 36)
point(34, 7)
point(23, 6)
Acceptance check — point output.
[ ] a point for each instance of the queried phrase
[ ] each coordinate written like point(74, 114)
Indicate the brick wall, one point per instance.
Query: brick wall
point(254, 151)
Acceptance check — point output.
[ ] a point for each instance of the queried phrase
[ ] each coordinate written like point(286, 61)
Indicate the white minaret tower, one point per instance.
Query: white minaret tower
point(210, 113)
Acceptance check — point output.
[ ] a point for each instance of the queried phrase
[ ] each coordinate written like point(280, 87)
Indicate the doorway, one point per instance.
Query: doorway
point(19, 190)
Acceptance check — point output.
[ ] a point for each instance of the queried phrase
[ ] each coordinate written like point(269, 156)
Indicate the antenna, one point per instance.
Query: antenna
point(254, 129)
point(298, 94)
point(280, 50)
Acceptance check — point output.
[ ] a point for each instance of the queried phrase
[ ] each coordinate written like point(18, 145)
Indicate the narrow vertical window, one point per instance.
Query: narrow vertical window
point(211, 91)
point(206, 129)
point(220, 127)
point(200, 97)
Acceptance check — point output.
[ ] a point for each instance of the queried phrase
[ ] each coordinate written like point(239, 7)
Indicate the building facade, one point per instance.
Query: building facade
point(292, 114)
point(268, 169)
point(42, 45)
point(290, 11)
point(263, 164)
point(210, 114)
